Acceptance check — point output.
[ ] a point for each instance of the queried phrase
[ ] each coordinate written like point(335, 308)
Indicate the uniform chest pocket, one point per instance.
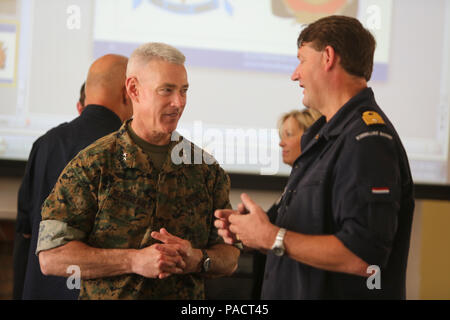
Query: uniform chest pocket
point(121, 221)
point(313, 178)
point(191, 214)
point(125, 208)
point(307, 206)
point(306, 209)
point(193, 191)
point(196, 202)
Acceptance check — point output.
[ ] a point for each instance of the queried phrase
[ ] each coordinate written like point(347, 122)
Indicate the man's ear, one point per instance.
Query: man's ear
point(329, 57)
point(79, 107)
point(131, 85)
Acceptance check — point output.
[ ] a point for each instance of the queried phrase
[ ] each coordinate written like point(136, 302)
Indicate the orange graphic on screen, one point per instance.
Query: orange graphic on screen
point(307, 11)
point(2, 56)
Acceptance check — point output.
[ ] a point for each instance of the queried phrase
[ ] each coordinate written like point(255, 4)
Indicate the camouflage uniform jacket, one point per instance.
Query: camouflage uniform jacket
point(109, 196)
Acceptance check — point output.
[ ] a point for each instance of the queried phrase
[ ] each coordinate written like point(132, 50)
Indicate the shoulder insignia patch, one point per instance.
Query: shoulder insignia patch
point(371, 118)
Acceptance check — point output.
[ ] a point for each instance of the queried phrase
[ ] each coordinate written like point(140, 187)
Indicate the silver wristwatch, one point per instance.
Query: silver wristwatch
point(278, 245)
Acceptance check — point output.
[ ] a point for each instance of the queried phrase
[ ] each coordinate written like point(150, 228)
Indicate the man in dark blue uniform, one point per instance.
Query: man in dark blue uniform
point(348, 204)
point(107, 106)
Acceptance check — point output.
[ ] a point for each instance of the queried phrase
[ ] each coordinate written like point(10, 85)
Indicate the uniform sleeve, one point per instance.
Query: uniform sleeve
point(69, 211)
point(366, 197)
point(221, 200)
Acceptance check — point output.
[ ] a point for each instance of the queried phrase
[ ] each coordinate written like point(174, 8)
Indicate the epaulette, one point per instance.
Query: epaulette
point(371, 118)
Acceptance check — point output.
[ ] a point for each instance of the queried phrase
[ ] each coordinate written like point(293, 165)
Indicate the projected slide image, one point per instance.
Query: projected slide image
point(304, 11)
point(231, 34)
point(7, 53)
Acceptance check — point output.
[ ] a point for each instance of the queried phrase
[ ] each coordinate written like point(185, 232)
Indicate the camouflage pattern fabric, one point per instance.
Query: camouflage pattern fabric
point(113, 198)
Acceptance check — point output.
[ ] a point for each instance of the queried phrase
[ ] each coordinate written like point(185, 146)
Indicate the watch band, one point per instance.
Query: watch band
point(280, 235)
point(205, 262)
point(278, 245)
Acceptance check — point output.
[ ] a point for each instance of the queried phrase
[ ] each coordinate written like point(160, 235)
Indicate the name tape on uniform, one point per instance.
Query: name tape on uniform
point(373, 133)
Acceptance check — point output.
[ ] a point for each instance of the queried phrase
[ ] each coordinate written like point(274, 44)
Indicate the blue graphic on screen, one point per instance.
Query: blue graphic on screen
point(186, 8)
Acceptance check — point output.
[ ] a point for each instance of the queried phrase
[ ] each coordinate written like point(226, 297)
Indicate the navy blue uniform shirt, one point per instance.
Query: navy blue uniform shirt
point(48, 157)
point(353, 181)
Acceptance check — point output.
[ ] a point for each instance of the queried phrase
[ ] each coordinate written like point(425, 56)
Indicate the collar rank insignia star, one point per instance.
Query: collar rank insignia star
point(371, 118)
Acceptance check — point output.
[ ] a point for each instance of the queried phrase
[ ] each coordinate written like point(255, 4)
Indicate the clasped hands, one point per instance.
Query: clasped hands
point(248, 224)
point(160, 260)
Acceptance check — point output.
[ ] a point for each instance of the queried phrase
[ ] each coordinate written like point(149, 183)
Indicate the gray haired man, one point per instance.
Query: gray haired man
point(138, 225)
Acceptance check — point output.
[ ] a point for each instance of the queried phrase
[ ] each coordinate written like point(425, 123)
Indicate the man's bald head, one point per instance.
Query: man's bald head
point(105, 84)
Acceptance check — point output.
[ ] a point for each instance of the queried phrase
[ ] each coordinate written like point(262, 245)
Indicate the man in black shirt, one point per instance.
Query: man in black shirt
point(348, 204)
point(107, 105)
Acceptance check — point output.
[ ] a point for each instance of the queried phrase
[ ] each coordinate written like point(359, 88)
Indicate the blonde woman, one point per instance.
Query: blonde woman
point(291, 126)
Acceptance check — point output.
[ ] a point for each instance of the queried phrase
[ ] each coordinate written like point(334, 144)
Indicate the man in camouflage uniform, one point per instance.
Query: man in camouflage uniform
point(131, 210)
